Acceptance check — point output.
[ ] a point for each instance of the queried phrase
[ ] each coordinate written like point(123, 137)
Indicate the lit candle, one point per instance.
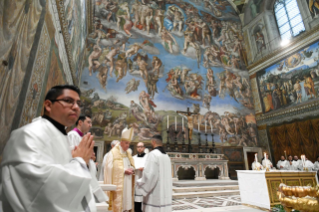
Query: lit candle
point(285, 154)
point(167, 121)
point(256, 157)
point(175, 123)
point(265, 158)
point(182, 124)
point(211, 127)
point(205, 126)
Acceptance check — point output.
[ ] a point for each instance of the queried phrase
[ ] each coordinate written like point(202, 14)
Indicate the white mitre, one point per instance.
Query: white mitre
point(127, 134)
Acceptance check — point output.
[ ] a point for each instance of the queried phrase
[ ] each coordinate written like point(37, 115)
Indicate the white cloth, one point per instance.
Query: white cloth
point(156, 183)
point(290, 166)
point(284, 164)
point(267, 162)
point(39, 173)
point(74, 139)
point(297, 165)
point(101, 176)
point(309, 165)
point(316, 166)
point(127, 188)
point(139, 163)
point(254, 165)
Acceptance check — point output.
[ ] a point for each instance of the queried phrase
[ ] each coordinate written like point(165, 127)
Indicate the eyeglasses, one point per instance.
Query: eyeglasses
point(68, 102)
point(140, 146)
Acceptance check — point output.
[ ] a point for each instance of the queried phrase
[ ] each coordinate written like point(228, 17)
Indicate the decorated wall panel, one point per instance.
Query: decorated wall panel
point(291, 81)
point(146, 60)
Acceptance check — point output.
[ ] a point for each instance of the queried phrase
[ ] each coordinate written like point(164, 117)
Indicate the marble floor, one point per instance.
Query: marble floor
point(221, 203)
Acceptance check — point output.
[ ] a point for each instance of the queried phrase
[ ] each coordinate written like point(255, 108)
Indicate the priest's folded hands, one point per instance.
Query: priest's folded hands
point(85, 148)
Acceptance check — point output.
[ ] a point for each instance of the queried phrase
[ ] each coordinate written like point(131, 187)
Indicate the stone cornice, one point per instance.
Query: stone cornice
point(296, 44)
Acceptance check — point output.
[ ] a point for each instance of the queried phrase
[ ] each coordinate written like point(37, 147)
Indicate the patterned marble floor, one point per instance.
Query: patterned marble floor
point(205, 202)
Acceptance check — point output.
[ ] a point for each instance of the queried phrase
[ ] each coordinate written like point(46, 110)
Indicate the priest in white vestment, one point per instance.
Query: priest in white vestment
point(256, 165)
point(39, 173)
point(156, 183)
point(290, 160)
point(119, 170)
point(296, 163)
point(101, 175)
point(139, 160)
point(83, 126)
point(308, 164)
point(267, 163)
point(283, 164)
point(316, 165)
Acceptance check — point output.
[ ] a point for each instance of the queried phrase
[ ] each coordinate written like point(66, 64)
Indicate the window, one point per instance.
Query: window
point(288, 18)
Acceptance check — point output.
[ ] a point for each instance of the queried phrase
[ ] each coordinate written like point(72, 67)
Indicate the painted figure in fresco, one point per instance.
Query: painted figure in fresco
point(151, 85)
point(146, 17)
point(132, 85)
point(189, 40)
point(309, 87)
point(116, 129)
point(206, 101)
point(184, 74)
point(147, 104)
point(136, 10)
point(159, 20)
point(210, 76)
point(102, 76)
point(168, 39)
point(175, 85)
point(313, 6)
point(108, 129)
point(216, 28)
point(276, 94)
point(137, 112)
point(240, 50)
point(123, 11)
point(205, 31)
point(212, 54)
point(142, 64)
point(157, 64)
point(297, 89)
point(253, 133)
point(222, 133)
point(133, 49)
point(94, 58)
point(178, 18)
point(109, 59)
point(121, 66)
point(260, 41)
point(255, 7)
point(109, 6)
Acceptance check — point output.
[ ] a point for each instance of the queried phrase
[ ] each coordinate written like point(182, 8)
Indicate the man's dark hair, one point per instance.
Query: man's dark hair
point(81, 118)
point(56, 91)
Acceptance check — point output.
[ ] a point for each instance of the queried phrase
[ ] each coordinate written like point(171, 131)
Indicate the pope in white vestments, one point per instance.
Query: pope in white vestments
point(156, 183)
point(74, 139)
point(101, 175)
point(39, 173)
point(119, 170)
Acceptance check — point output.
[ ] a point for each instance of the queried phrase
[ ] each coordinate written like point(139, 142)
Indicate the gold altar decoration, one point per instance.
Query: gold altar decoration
point(302, 198)
point(275, 178)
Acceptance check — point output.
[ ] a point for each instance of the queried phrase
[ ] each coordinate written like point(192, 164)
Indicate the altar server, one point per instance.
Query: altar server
point(38, 171)
point(290, 160)
point(139, 160)
point(266, 162)
point(119, 171)
point(83, 126)
point(316, 165)
point(156, 183)
point(308, 164)
point(101, 176)
point(256, 165)
point(296, 163)
point(283, 163)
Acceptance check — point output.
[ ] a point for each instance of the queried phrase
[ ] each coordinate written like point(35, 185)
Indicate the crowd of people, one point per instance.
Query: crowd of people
point(292, 163)
point(44, 168)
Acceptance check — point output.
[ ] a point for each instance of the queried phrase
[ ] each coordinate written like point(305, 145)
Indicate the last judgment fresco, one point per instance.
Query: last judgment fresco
point(146, 60)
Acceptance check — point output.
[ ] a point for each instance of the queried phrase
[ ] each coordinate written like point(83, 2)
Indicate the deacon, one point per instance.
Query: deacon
point(256, 165)
point(39, 173)
point(316, 165)
point(266, 162)
point(83, 126)
point(282, 163)
point(119, 170)
point(296, 163)
point(156, 183)
point(139, 161)
point(101, 176)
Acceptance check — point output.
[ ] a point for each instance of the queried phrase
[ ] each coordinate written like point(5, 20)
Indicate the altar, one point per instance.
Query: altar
point(200, 163)
point(259, 188)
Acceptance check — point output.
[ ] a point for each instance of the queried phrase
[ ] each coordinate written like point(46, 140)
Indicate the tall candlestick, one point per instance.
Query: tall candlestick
point(265, 159)
point(285, 154)
point(256, 157)
point(205, 126)
point(182, 124)
point(211, 127)
point(175, 123)
point(167, 121)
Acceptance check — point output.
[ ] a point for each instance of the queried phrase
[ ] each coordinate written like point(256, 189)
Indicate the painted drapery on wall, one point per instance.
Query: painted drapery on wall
point(18, 24)
point(291, 81)
point(148, 59)
point(75, 14)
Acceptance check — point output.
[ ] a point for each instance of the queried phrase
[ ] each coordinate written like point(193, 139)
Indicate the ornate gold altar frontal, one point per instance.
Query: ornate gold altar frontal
point(274, 179)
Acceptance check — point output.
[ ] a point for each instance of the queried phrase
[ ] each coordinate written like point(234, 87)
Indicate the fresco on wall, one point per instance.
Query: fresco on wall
point(313, 8)
point(259, 38)
point(253, 8)
point(148, 59)
point(291, 81)
point(75, 15)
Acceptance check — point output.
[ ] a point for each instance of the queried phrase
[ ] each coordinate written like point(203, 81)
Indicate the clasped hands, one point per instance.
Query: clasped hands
point(85, 148)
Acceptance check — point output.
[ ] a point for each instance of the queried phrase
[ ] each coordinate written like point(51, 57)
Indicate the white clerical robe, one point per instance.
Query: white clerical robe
point(267, 162)
point(316, 166)
point(75, 139)
point(284, 165)
point(39, 173)
point(101, 176)
point(127, 188)
point(297, 165)
point(309, 165)
point(255, 165)
point(290, 166)
point(139, 163)
point(156, 183)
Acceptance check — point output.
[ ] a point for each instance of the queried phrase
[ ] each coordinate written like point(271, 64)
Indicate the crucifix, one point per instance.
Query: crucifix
point(190, 124)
